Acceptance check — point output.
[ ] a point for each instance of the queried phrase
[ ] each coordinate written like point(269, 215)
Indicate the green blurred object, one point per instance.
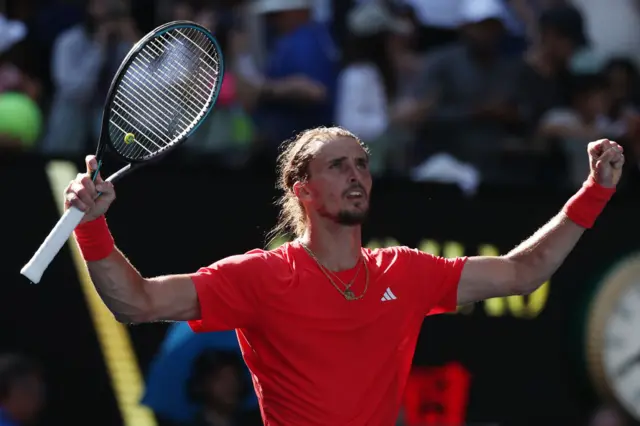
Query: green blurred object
point(20, 118)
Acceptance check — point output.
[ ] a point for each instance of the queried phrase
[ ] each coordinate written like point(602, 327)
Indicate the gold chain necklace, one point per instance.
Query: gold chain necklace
point(347, 293)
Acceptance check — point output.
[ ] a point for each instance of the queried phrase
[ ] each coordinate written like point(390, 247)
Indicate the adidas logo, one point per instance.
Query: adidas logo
point(388, 295)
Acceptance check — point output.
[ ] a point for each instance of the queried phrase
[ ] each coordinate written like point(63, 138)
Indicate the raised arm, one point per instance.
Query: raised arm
point(534, 261)
point(219, 297)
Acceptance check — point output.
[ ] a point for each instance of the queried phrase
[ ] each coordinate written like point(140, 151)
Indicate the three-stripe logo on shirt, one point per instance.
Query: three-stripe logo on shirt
point(388, 295)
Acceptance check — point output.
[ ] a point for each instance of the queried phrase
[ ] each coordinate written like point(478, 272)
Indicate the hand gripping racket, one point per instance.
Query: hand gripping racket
point(164, 89)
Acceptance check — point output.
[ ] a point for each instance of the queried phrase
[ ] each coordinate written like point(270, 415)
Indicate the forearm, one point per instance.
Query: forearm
point(121, 288)
point(540, 256)
point(119, 284)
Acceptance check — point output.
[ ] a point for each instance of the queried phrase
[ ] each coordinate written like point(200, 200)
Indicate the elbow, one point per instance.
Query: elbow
point(133, 318)
point(139, 312)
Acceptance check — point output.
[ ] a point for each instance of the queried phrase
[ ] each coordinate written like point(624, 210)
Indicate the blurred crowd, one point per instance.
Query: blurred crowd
point(217, 385)
point(505, 92)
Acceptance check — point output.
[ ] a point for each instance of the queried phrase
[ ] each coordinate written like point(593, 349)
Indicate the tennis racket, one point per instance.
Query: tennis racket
point(164, 89)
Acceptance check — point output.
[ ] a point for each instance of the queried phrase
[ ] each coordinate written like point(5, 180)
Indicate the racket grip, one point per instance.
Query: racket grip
point(54, 242)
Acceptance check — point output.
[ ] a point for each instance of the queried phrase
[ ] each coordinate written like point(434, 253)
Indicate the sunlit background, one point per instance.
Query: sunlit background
point(477, 113)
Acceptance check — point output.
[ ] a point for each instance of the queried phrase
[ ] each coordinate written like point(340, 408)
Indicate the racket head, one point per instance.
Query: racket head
point(165, 88)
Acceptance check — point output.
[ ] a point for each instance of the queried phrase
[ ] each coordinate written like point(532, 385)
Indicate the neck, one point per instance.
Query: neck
point(337, 247)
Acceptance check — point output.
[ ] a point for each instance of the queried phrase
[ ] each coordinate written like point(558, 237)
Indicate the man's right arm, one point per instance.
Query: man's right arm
point(135, 299)
point(222, 296)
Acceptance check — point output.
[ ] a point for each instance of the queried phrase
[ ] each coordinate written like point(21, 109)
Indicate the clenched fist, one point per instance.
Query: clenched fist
point(82, 193)
point(606, 160)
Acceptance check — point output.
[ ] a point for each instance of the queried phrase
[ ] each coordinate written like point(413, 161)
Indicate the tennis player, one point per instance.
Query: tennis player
point(328, 328)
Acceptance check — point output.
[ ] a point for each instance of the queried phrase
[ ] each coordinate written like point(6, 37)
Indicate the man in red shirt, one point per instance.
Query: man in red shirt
point(328, 328)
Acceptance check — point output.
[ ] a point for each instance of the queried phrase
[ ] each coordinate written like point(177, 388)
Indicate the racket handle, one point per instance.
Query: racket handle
point(54, 242)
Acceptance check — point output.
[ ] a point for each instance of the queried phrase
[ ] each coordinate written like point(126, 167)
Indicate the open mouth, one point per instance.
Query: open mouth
point(355, 194)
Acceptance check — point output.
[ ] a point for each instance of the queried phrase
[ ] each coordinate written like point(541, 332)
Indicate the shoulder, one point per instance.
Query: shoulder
point(397, 255)
point(412, 260)
point(258, 259)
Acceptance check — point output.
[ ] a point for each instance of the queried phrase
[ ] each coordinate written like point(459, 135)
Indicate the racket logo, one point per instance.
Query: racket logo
point(129, 138)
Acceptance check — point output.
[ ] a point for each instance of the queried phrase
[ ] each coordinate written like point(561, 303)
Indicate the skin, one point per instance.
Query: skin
point(338, 167)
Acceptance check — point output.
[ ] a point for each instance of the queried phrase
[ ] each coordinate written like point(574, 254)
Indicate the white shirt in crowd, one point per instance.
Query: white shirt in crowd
point(361, 101)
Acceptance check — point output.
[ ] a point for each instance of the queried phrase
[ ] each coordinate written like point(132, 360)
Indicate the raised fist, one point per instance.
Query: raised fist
point(606, 160)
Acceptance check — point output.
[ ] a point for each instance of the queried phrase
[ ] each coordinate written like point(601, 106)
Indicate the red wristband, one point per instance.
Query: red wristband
point(94, 239)
point(587, 204)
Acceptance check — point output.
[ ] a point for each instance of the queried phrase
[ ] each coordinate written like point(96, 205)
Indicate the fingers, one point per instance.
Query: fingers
point(82, 192)
point(611, 153)
point(92, 165)
point(597, 148)
point(107, 192)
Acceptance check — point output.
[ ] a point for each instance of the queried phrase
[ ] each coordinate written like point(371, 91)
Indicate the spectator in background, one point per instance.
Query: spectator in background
point(374, 70)
point(473, 87)
point(228, 131)
point(12, 77)
point(584, 120)
point(85, 59)
point(218, 385)
point(20, 116)
point(622, 78)
point(21, 390)
point(368, 81)
point(544, 74)
point(299, 87)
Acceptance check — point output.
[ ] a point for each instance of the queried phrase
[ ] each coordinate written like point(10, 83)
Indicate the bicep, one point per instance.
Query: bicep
point(172, 298)
point(486, 277)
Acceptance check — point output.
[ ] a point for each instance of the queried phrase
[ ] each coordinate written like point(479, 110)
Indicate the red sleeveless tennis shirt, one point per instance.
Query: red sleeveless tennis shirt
point(315, 357)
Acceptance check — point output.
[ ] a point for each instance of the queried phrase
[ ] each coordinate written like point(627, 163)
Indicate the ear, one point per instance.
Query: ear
point(301, 191)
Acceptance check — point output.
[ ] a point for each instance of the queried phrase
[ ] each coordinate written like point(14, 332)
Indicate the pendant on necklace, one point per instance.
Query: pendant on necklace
point(348, 294)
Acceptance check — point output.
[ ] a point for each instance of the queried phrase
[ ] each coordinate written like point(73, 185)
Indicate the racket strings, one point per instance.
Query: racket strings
point(164, 93)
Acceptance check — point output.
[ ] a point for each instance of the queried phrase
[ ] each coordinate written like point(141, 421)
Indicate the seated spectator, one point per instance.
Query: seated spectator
point(584, 120)
point(218, 384)
point(85, 59)
point(367, 82)
point(21, 390)
point(20, 116)
point(544, 73)
point(473, 87)
point(376, 87)
point(228, 131)
point(299, 87)
point(622, 78)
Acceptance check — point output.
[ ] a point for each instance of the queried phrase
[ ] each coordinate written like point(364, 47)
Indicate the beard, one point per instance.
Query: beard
point(350, 218)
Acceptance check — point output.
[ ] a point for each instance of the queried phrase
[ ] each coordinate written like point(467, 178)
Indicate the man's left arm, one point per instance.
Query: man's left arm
point(534, 261)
